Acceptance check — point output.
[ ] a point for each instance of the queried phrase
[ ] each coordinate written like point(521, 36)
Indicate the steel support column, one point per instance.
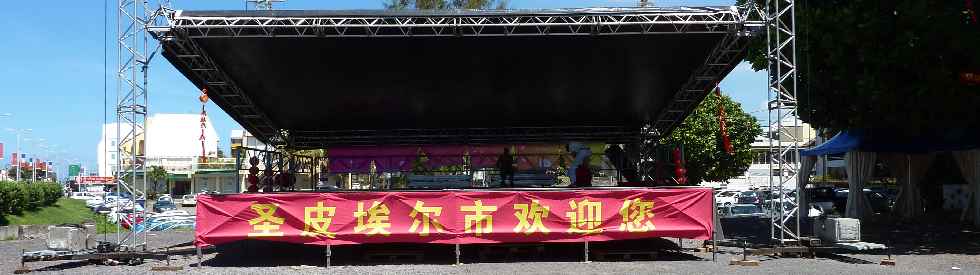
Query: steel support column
point(783, 119)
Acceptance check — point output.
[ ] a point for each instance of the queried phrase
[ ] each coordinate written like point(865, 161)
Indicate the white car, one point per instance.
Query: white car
point(94, 203)
point(188, 200)
point(83, 196)
point(726, 198)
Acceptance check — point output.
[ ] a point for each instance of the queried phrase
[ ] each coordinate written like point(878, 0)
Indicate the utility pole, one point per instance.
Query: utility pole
point(19, 132)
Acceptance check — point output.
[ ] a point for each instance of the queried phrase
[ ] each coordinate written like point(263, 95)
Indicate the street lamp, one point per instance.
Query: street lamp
point(19, 132)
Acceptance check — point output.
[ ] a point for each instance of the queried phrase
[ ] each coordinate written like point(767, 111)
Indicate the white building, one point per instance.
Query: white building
point(242, 138)
point(173, 141)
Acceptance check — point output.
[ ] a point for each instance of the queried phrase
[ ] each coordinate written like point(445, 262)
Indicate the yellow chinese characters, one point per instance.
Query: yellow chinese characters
point(637, 215)
point(316, 221)
point(483, 223)
point(585, 217)
point(375, 220)
point(266, 224)
point(530, 217)
point(423, 215)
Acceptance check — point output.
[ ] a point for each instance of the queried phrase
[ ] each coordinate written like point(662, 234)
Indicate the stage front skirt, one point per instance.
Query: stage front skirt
point(455, 217)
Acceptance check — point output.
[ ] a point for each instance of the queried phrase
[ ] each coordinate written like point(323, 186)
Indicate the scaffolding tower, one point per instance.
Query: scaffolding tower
point(133, 58)
point(784, 146)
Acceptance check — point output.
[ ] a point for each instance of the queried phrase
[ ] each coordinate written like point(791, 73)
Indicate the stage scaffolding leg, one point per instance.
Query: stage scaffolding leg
point(585, 251)
point(458, 253)
point(783, 116)
point(327, 254)
point(200, 257)
point(714, 230)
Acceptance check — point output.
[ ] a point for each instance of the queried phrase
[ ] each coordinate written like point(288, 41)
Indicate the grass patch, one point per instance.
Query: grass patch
point(63, 211)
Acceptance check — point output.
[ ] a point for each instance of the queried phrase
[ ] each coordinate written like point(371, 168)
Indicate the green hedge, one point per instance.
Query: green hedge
point(16, 197)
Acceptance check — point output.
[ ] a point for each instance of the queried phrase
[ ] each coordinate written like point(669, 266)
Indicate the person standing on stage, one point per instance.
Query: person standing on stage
point(505, 164)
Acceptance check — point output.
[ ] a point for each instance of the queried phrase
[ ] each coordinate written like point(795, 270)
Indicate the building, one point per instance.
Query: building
point(243, 139)
point(757, 176)
point(173, 143)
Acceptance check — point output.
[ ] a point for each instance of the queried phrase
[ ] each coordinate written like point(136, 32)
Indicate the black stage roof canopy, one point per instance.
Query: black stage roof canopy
point(313, 79)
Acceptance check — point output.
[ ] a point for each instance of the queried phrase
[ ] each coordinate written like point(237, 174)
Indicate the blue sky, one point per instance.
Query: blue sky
point(51, 67)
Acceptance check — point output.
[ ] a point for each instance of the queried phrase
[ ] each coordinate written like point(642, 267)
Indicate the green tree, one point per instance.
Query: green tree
point(896, 64)
point(155, 174)
point(444, 4)
point(700, 134)
point(25, 173)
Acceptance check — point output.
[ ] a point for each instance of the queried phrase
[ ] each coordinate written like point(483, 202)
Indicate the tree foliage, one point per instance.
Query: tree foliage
point(700, 135)
point(444, 4)
point(25, 172)
point(155, 174)
point(866, 64)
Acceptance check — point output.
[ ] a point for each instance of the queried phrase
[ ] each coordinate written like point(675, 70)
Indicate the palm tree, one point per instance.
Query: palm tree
point(155, 174)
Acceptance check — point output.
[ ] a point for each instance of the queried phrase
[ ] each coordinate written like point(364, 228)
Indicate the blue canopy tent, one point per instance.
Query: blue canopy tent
point(890, 142)
point(908, 157)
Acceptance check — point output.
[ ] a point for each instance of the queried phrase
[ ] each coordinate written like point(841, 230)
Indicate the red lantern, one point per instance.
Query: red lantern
point(680, 174)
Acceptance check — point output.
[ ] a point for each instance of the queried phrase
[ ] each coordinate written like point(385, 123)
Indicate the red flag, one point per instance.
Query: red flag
point(721, 123)
point(13, 159)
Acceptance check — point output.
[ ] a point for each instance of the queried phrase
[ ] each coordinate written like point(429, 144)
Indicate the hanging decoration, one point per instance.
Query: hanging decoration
point(680, 173)
point(253, 172)
point(204, 118)
point(726, 141)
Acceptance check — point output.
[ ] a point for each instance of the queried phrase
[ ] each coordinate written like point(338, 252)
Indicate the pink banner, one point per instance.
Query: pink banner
point(401, 158)
point(455, 217)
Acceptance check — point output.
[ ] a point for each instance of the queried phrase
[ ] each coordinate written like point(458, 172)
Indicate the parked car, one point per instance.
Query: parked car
point(94, 203)
point(165, 197)
point(750, 197)
point(774, 197)
point(878, 201)
point(727, 198)
point(162, 206)
point(83, 196)
point(102, 209)
point(118, 213)
point(743, 211)
point(188, 200)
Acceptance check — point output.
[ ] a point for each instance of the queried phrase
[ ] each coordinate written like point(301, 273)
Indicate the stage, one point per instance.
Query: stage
point(456, 216)
point(376, 77)
point(428, 92)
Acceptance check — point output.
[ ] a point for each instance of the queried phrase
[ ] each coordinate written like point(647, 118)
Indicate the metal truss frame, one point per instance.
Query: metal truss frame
point(133, 58)
point(784, 148)
point(181, 31)
point(722, 60)
point(551, 22)
point(131, 110)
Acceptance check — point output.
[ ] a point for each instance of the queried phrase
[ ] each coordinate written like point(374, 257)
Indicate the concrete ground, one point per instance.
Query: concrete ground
point(262, 261)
